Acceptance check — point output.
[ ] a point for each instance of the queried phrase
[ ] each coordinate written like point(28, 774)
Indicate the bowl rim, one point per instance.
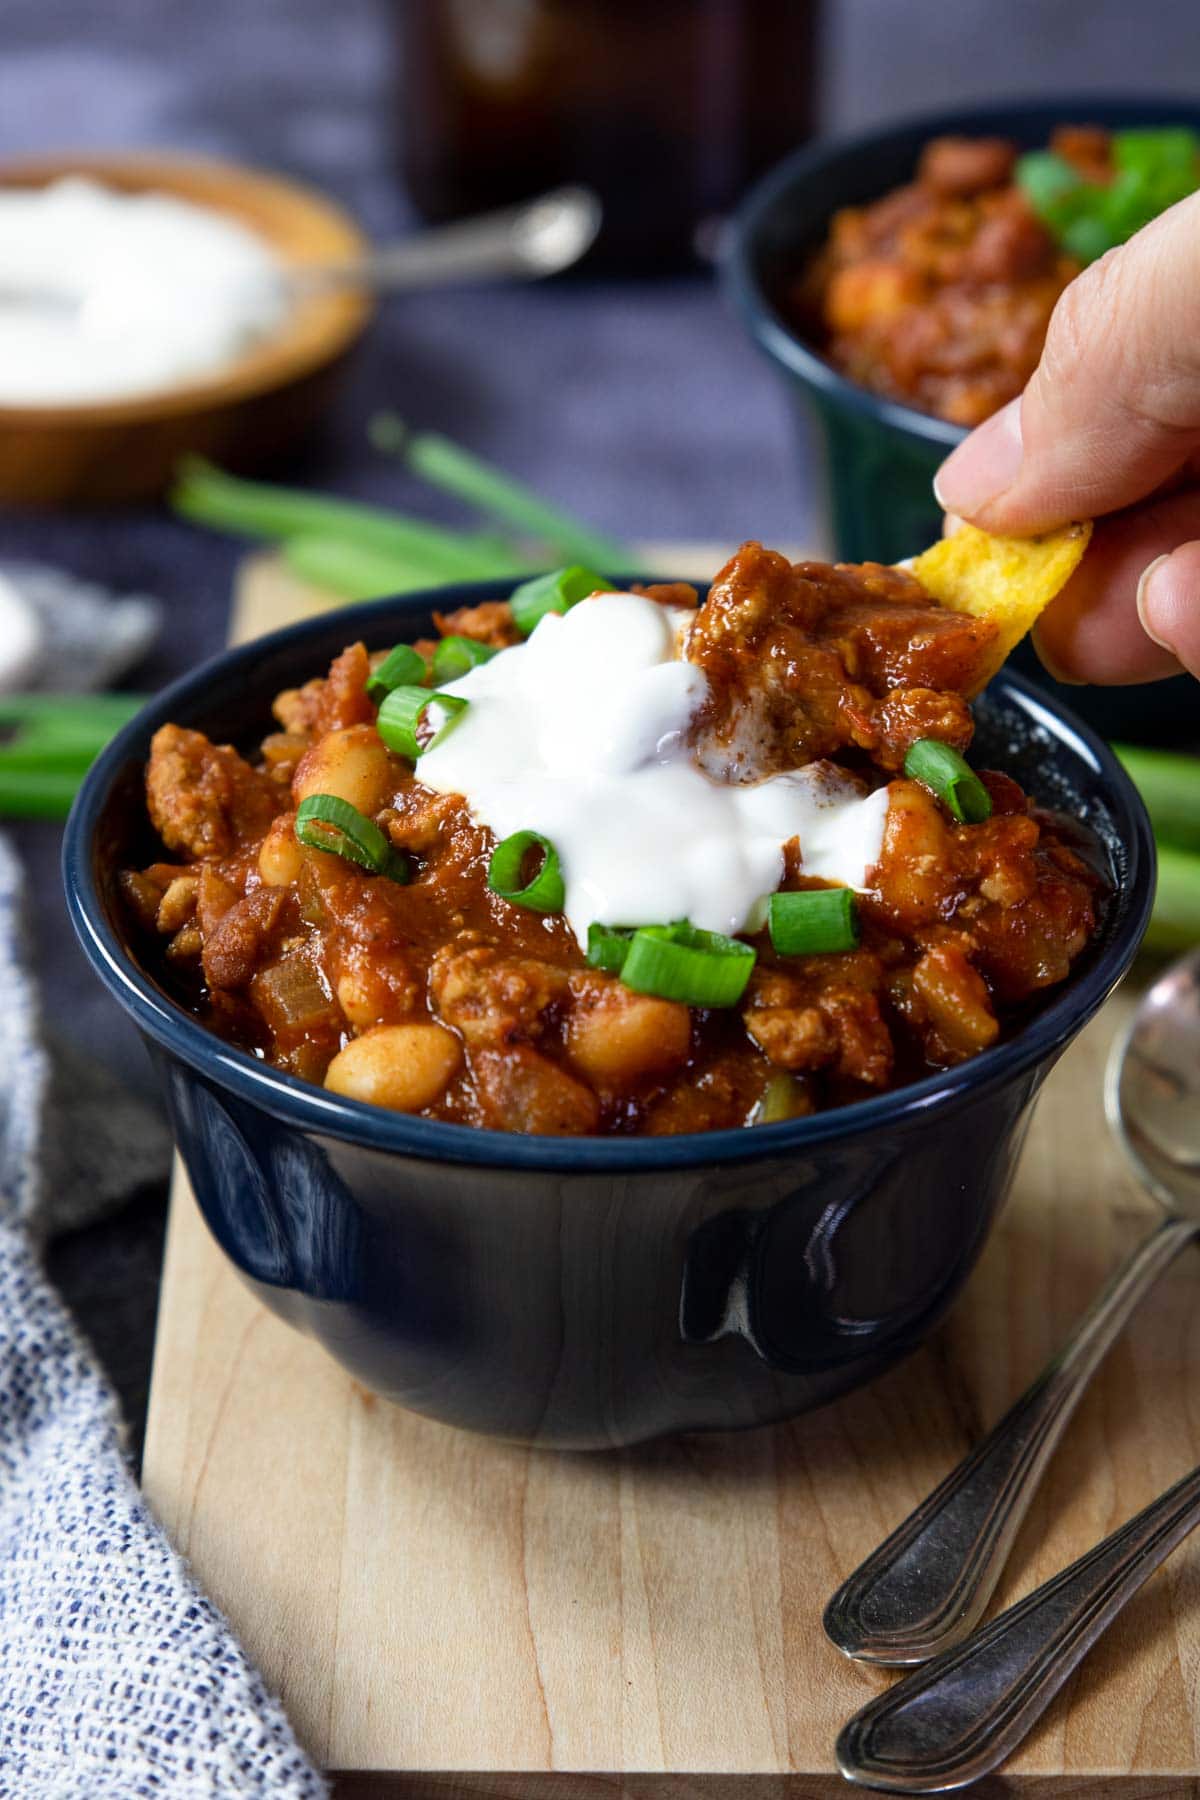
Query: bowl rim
point(315, 1110)
point(285, 356)
point(767, 325)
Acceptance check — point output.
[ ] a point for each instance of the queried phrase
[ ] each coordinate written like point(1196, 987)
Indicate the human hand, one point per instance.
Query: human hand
point(1108, 428)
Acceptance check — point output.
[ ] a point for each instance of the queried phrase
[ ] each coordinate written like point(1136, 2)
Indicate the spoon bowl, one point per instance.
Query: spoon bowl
point(1152, 1089)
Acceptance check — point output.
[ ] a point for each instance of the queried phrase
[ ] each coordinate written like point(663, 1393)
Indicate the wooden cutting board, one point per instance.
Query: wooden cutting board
point(448, 1616)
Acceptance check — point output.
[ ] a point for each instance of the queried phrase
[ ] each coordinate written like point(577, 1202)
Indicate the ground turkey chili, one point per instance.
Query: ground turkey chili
point(939, 293)
point(407, 978)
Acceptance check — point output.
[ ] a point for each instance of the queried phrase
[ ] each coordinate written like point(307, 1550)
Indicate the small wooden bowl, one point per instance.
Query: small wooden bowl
point(261, 404)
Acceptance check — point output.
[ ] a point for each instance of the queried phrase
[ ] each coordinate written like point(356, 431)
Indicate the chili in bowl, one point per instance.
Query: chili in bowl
point(939, 293)
point(613, 862)
point(548, 1236)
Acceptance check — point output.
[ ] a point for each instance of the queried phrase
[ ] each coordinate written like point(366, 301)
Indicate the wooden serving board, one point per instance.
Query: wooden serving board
point(448, 1616)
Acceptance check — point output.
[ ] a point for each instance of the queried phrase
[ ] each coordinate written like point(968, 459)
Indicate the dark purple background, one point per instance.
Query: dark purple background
point(637, 404)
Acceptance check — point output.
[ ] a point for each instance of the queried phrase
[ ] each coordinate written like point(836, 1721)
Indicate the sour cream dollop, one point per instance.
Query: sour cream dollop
point(106, 295)
point(581, 734)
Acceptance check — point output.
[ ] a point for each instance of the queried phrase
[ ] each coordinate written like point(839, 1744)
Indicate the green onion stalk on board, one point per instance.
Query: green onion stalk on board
point(49, 743)
point(1169, 784)
point(362, 552)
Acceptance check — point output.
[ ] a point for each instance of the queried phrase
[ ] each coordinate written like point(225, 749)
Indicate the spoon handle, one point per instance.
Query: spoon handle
point(958, 1718)
point(523, 242)
point(928, 1584)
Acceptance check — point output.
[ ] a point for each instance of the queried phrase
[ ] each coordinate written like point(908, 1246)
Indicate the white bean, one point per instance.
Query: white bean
point(616, 1037)
point(280, 857)
point(404, 1067)
point(352, 764)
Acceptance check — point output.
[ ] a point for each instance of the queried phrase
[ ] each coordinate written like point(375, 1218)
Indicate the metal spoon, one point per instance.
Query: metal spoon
point(960, 1716)
point(518, 243)
point(928, 1585)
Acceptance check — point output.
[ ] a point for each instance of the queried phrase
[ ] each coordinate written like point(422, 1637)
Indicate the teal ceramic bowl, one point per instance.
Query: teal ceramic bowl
point(881, 456)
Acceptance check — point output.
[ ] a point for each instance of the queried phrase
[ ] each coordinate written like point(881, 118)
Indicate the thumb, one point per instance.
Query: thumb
point(1113, 407)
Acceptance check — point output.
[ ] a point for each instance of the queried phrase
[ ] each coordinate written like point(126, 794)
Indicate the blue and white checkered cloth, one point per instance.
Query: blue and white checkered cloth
point(119, 1680)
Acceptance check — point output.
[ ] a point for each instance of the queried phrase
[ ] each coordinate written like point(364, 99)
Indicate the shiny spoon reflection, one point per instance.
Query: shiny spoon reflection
point(966, 1710)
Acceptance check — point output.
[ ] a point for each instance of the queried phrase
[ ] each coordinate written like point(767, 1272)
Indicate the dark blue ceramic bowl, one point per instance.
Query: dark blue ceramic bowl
point(881, 456)
point(591, 1292)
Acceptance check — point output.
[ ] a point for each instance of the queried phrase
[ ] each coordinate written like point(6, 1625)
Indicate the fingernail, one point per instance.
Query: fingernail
point(1145, 600)
point(984, 466)
point(1050, 664)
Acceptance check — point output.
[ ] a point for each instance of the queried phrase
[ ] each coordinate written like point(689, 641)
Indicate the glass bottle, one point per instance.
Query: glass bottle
point(668, 108)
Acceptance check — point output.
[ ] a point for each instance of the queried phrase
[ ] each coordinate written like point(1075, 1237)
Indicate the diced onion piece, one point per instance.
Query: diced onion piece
point(291, 995)
point(782, 1098)
point(814, 923)
point(402, 714)
point(325, 822)
point(556, 591)
point(945, 773)
point(546, 892)
point(401, 667)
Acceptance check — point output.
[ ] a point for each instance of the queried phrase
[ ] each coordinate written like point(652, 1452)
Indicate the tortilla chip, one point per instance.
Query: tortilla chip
point(1006, 580)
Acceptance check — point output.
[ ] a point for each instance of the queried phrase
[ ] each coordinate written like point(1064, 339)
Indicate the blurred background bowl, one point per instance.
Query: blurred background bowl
point(881, 456)
point(245, 413)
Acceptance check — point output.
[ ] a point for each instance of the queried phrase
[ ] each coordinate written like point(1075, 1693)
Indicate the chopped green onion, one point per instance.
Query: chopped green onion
point(681, 962)
point(1047, 179)
point(447, 465)
point(455, 656)
point(817, 922)
point(546, 891)
point(402, 717)
point(326, 822)
point(1152, 170)
point(1090, 236)
point(401, 667)
point(953, 780)
point(675, 962)
point(557, 591)
point(1170, 146)
point(607, 947)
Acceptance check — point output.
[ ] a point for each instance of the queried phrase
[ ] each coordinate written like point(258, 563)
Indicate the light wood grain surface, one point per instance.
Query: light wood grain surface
point(647, 1624)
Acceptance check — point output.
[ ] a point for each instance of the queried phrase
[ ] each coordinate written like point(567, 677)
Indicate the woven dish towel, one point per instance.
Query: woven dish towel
point(119, 1680)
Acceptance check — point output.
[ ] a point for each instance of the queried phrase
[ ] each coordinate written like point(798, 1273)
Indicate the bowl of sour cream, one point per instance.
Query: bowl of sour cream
point(146, 311)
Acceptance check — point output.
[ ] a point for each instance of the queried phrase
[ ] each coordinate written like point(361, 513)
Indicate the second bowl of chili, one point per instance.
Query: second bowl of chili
point(880, 451)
